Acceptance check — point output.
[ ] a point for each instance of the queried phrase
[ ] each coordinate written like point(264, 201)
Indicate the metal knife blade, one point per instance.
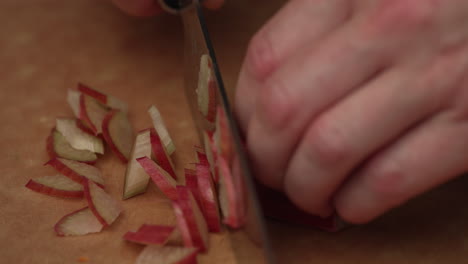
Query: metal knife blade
point(249, 239)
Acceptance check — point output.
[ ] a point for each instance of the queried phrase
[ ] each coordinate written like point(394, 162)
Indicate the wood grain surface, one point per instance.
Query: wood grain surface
point(48, 46)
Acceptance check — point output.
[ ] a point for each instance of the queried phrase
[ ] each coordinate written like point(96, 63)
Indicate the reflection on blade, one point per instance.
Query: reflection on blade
point(220, 137)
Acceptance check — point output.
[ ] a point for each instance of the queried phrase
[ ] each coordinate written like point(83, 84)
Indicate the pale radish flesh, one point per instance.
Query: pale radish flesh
point(118, 133)
point(210, 152)
point(167, 255)
point(108, 100)
point(161, 129)
point(160, 154)
point(150, 234)
point(56, 185)
point(222, 138)
point(136, 179)
point(208, 198)
point(78, 223)
point(92, 112)
point(77, 171)
point(206, 90)
point(58, 147)
point(104, 207)
point(160, 177)
point(73, 100)
point(193, 218)
point(229, 198)
point(78, 138)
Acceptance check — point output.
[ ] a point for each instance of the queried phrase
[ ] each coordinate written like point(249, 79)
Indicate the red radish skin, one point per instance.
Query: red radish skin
point(161, 129)
point(81, 125)
point(150, 235)
point(77, 223)
point(104, 207)
point(76, 171)
point(160, 177)
point(192, 183)
point(182, 224)
point(167, 255)
point(208, 198)
point(229, 199)
point(58, 147)
point(56, 185)
point(211, 154)
point(222, 136)
point(160, 154)
point(202, 158)
point(206, 90)
point(193, 219)
point(105, 99)
point(118, 134)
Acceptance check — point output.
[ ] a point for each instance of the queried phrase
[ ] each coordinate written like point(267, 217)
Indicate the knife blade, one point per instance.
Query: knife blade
point(249, 239)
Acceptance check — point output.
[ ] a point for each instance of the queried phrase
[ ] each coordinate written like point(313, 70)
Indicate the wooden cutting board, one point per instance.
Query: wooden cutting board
point(48, 46)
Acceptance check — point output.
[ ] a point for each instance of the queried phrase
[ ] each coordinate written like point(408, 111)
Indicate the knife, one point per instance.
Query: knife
point(249, 238)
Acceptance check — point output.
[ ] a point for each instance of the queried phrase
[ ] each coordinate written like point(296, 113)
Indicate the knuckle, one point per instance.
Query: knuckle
point(326, 145)
point(260, 59)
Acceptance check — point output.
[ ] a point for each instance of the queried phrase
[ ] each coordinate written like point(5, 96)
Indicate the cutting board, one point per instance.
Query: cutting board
point(47, 46)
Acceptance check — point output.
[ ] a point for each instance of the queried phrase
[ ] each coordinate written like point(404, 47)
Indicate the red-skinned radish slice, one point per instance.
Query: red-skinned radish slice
point(56, 185)
point(189, 217)
point(206, 91)
point(229, 196)
point(192, 183)
point(222, 137)
point(105, 99)
point(208, 198)
point(78, 138)
point(211, 154)
point(136, 179)
point(58, 147)
point(118, 133)
point(77, 171)
point(150, 234)
point(73, 99)
point(160, 177)
point(202, 158)
point(161, 129)
point(92, 112)
point(160, 154)
point(167, 255)
point(104, 207)
point(78, 223)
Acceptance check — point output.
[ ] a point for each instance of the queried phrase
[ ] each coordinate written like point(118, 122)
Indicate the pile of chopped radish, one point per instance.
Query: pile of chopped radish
point(202, 199)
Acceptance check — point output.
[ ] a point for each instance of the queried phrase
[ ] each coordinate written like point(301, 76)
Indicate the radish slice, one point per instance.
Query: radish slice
point(77, 138)
point(160, 177)
point(77, 171)
point(160, 154)
point(118, 133)
point(229, 198)
point(150, 234)
point(206, 90)
point(92, 113)
point(104, 207)
point(136, 179)
point(161, 129)
point(211, 154)
point(208, 198)
point(58, 147)
point(77, 223)
point(73, 99)
point(167, 255)
point(222, 136)
point(105, 99)
point(190, 220)
point(175, 239)
point(192, 183)
point(56, 185)
point(202, 158)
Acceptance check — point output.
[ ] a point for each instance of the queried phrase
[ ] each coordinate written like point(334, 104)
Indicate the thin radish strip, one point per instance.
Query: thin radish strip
point(136, 179)
point(160, 177)
point(208, 198)
point(167, 255)
point(108, 100)
point(211, 154)
point(150, 234)
point(161, 129)
point(58, 147)
point(192, 183)
point(77, 138)
point(73, 99)
point(77, 171)
point(56, 185)
point(229, 198)
point(206, 90)
point(92, 112)
point(118, 133)
point(160, 154)
point(104, 207)
point(77, 223)
point(222, 137)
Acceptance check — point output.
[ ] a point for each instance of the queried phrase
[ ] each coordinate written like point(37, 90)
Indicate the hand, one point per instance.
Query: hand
point(152, 7)
point(357, 105)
